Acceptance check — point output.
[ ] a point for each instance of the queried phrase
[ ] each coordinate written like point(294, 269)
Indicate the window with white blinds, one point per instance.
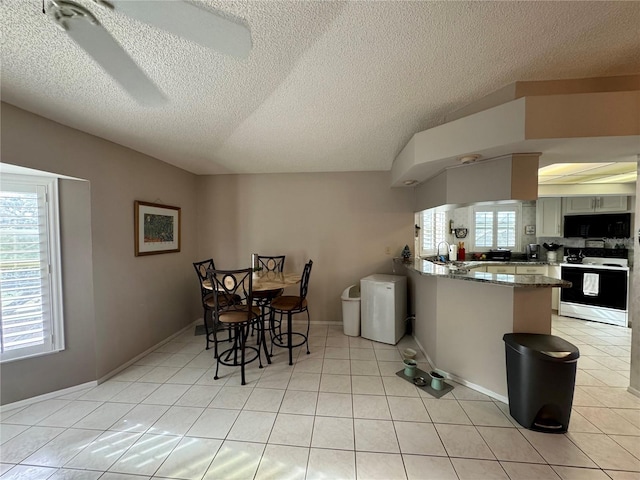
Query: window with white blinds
point(433, 231)
point(30, 282)
point(496, 227)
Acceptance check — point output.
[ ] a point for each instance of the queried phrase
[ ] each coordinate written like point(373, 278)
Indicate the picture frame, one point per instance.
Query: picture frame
point(157, 228)
point(530, 230)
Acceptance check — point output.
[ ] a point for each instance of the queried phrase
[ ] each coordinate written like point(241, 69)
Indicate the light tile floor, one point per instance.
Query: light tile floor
point(338, 413)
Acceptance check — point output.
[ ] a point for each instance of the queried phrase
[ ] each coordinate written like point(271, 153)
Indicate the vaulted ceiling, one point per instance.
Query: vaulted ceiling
point(327, 86)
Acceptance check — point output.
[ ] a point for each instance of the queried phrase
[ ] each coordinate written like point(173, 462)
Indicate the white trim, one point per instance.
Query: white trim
point(6, 168)
point(318, 322)
point(47, 187)
point(55, 262)
point(633, 391)
point(461, 381)
point(478, 388)
point(46, 396)
point(503, 207)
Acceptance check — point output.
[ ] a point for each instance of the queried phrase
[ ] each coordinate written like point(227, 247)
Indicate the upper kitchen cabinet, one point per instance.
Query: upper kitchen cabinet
point(604, 204)
point(549, 217)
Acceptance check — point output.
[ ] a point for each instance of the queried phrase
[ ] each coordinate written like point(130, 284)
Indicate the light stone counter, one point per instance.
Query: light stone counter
point(464, 272)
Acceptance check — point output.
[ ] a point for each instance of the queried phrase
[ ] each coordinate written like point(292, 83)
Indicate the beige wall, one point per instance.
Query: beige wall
point(341, 221)
point(510, 177)
point(138, 301)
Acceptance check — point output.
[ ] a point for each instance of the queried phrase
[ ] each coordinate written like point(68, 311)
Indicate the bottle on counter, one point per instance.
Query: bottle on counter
point(461, 251)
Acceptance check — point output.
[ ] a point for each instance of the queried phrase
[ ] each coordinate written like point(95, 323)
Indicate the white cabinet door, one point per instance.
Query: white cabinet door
point(501, 269)
point(579, 205)
point(549, 217)
point(531, 269)
point(611, 204)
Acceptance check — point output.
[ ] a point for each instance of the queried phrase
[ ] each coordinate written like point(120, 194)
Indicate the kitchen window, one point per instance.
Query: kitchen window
point(30, 282)
point(433, 231)
point(496, 227)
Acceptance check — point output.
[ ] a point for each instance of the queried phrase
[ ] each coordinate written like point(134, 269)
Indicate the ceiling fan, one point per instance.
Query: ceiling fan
point(209, 29)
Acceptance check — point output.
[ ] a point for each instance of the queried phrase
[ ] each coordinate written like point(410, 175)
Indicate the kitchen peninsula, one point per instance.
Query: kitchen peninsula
point(461, 316)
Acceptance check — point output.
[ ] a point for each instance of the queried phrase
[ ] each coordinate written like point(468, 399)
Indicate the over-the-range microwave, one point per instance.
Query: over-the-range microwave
point(610, 225)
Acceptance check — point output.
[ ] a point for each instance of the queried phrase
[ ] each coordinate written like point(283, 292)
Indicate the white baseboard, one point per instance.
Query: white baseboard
point(46, 396)
point(633, 391)
point(478, 388)
point(426, 355)
point(462, 381)
point(314, 322)
point(145, 353)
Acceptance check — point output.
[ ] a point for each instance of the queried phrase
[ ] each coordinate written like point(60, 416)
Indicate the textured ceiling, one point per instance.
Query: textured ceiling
point(328, 86)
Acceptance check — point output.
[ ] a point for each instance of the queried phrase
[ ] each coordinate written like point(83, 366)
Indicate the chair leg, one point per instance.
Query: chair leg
point(206, 327)
point(289, 347)
point(215, 377)
point(262, 334)
point(243, 342)
point(308, 324)
point(272, 328)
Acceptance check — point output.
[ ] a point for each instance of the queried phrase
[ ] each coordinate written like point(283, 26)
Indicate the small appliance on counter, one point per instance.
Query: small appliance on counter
point(533, 251)
point(453, 253)
point(575, 257)
point(502, 254)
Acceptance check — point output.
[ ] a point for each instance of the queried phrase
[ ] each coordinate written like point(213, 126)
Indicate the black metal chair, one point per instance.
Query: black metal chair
point(210, 326)
point(234, 308)
point(291, 305)
point(263, 298)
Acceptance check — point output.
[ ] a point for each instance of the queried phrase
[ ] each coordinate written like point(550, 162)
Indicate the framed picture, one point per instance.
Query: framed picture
point(157, 228)
point(530, 230)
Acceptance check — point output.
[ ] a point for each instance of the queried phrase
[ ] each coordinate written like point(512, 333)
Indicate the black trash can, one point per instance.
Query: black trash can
point(541, 376)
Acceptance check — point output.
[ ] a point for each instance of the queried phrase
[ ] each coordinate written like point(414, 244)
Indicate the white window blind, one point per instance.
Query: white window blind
point(30, 284)
point(484, 229)
point(433, 231)
point(496, 227)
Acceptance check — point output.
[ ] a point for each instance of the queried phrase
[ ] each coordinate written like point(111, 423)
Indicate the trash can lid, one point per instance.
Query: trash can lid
point(351, 293)
point(549, 347)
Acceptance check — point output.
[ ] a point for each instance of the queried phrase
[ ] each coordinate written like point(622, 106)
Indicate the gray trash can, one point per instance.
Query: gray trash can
point(351, 310)
point(541, 376)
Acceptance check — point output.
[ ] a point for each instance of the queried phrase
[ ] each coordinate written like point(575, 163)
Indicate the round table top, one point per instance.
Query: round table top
point(263, 281)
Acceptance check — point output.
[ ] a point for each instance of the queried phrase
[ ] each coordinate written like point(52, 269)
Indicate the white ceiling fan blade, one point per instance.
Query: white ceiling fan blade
point(185, 20)
point(108, 53)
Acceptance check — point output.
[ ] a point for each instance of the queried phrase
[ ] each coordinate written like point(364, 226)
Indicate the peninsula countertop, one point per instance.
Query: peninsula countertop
point(463, 271)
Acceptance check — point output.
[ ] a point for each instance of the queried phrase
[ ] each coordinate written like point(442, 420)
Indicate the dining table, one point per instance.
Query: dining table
point(264, 281)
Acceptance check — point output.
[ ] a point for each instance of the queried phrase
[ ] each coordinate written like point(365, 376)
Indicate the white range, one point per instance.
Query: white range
point(600, 290)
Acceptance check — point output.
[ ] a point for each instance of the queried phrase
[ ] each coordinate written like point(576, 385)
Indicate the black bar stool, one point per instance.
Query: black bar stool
point(291, 305)
point(239, 316)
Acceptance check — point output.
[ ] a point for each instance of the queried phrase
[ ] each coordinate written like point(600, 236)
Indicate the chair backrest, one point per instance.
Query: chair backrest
point(304, 281)
point(271, 264)
point(234, 289)
point(201, 269)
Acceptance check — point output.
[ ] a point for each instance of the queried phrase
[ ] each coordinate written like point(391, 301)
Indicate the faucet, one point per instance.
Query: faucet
point(446, 251)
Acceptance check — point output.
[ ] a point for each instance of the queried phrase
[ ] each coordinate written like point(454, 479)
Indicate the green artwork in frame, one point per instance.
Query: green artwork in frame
point(157, 228)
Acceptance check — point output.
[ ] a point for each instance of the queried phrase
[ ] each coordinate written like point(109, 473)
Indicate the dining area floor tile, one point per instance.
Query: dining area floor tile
point(339, 412)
